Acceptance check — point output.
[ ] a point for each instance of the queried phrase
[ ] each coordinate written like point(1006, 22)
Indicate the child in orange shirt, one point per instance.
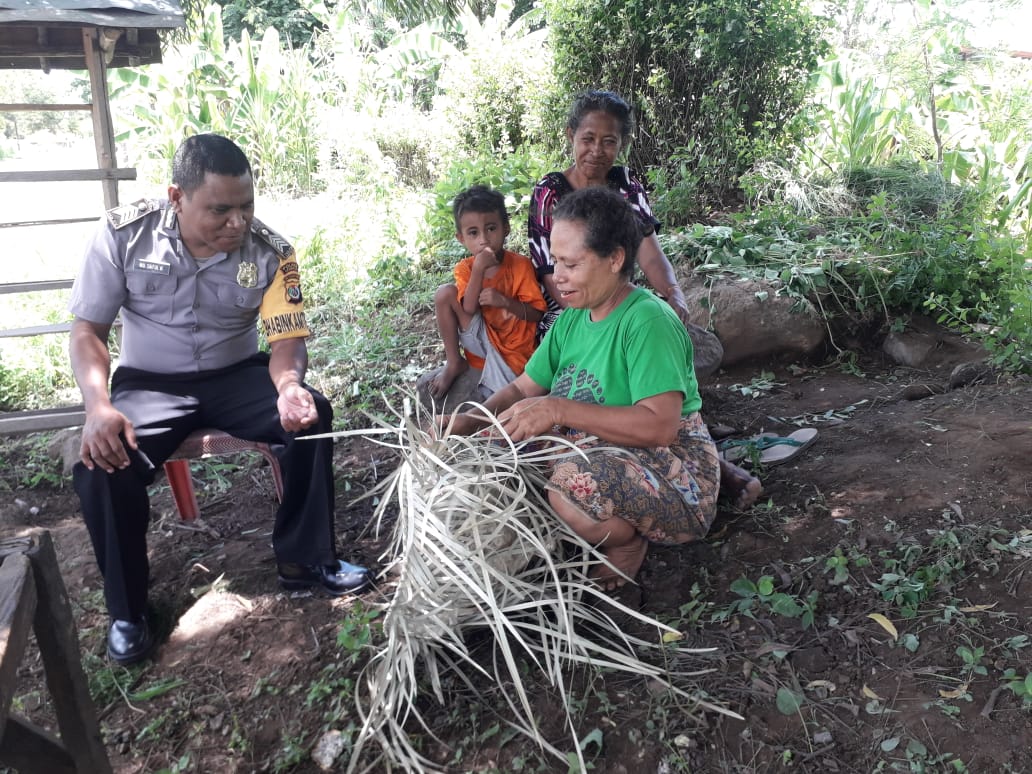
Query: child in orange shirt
point(492, 310)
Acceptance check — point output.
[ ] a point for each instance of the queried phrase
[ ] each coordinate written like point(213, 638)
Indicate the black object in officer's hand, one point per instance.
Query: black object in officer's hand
point(139, 462)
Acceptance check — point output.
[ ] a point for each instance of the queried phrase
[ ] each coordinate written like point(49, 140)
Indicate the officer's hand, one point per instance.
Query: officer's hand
point(296, 408)
point(102, 439)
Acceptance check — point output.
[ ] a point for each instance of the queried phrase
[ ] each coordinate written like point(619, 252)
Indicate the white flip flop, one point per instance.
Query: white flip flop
point(772, 449)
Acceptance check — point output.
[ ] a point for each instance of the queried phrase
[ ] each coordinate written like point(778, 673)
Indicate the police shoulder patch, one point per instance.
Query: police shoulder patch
point(125, 214)
point(283, 248)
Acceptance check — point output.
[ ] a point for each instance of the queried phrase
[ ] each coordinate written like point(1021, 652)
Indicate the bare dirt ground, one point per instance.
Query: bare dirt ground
point(918, 510)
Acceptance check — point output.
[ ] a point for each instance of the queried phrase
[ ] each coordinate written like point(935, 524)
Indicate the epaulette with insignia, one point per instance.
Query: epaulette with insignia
point(125, 214)
point(283, 248)
point(287, 261)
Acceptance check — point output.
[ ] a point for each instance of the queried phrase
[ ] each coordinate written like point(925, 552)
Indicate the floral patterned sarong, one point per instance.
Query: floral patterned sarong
point(668, 493)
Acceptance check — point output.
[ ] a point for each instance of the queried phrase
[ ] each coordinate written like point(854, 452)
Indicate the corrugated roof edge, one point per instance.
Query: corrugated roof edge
point(124, 20)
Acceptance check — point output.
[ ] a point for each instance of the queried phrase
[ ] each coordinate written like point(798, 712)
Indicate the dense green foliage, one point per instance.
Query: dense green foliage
point(255, 93)
point(911, 189)
point(513, 175)
point(718, 86)
point(876, 245)
point(293, 21)
point(492, 94)
point(36, 88)
point(905, 188)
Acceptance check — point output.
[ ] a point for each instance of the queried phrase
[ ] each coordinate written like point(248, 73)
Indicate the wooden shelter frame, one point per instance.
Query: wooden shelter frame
point(113, 33)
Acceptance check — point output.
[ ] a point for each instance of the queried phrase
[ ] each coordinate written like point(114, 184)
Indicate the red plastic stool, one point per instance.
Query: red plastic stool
point(210, 443)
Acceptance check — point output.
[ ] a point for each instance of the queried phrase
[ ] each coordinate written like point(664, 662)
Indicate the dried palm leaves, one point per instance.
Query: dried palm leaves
point(476, 546)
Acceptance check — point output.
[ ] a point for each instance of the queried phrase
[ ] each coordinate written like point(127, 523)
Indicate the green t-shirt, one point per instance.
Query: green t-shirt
point(639, 350)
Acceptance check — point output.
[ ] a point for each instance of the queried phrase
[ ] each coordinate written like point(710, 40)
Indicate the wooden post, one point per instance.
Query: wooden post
point(31, 589)
point(59, 647)
point(103, 130)
point(17, 608)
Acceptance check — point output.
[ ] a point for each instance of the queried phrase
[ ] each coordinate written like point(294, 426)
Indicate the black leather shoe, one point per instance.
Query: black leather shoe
point(129, 641)
point(337, 579)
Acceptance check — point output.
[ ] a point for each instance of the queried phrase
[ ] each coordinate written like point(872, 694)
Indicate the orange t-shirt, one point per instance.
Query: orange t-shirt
point(511, 337)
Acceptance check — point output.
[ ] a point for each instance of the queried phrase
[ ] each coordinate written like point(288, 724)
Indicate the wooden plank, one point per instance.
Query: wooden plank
point(44, 330)
point(60, 51)
point(16, 422)
point(17, 609)
point(103, 128)
point(34, 750)
point(31, 287)
point(66, 175)
point(29, 50)
point(59, 646)
point(18, 107)
point(55, 222)
point(36, 330)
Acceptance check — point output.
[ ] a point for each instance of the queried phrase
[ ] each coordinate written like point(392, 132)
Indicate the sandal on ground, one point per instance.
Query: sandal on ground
point(768, 449)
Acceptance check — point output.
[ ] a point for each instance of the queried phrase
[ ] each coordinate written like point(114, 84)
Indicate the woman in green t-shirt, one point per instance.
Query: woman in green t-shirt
point(617, 365)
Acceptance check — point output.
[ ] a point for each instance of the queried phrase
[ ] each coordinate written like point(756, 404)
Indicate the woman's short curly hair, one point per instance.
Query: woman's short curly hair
point(609, 223)
point(606, 102)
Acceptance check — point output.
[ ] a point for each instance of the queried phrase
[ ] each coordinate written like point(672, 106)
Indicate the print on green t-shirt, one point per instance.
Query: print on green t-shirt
point(639, 350)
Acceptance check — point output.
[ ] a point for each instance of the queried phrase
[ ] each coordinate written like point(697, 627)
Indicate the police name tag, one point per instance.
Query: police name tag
point(155, 267)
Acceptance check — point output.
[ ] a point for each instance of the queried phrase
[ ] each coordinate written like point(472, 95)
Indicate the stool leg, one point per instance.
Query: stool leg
point(277, 474)
point(178, 474)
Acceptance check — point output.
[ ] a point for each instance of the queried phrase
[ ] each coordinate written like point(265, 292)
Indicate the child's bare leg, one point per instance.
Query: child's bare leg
point(742, 487)
point(621, 543)
point(450, 316)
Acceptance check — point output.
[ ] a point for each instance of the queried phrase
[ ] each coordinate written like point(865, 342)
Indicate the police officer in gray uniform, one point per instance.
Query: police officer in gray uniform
point(192, 276)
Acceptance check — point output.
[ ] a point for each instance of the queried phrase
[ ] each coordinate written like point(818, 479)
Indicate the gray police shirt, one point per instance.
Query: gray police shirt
point(180, 314)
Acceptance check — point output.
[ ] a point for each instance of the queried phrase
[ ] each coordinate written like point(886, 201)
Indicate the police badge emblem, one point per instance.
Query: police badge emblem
point(247, 274)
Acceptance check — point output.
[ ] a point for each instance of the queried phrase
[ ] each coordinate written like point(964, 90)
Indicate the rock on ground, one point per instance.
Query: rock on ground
point(753, 322)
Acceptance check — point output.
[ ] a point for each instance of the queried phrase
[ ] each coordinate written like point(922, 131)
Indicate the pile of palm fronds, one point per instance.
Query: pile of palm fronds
point(476, 547)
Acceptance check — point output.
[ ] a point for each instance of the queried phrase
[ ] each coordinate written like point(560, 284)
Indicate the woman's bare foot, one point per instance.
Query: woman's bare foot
point(742, 487)
point(749, 494)
point(446, 377)
point(627, 558)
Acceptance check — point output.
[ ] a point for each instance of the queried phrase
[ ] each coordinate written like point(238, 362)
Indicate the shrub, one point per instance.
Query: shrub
point(514, 176)
point(490, 91)
point(718, 84)
point(258, 94)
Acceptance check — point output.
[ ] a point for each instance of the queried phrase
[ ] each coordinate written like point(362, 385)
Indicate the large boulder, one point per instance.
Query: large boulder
point(753, 322)
point(709, 352)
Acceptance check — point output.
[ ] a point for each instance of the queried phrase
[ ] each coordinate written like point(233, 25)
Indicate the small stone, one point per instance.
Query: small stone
point(969, 373)
point(328, 749)
point(919, 391)
point(31, 703)
point(822, 737)
point(683, 742)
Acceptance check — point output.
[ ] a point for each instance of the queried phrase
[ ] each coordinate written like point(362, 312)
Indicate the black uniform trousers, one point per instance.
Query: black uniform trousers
point(164, 409)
